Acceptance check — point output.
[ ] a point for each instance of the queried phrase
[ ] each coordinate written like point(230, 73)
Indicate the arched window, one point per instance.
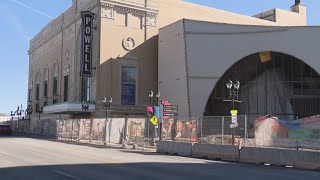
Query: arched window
point(66, 71)
point(45, 85)
point(55, 94)
point(38, 85)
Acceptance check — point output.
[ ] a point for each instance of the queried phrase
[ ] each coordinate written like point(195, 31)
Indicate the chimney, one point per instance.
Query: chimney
point(299, 8)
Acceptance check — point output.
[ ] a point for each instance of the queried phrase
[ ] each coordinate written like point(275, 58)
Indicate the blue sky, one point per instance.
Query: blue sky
point(22, 19)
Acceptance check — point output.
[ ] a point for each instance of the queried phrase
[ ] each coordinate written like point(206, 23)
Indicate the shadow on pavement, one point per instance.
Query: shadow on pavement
point(159, 171)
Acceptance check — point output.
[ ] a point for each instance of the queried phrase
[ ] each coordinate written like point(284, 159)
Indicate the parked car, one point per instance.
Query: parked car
point(5, 129)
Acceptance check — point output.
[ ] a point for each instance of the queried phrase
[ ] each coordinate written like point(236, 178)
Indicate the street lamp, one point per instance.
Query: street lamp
point(19, 112)
point(39, 110)
point(12, 114)
point(29, 110)
point(233, 91)
point(150, 96)
point(107, 104)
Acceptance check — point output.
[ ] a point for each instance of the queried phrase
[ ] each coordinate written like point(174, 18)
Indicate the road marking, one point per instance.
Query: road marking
point(65, 174)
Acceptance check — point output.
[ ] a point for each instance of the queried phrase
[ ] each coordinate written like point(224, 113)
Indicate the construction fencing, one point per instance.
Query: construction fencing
point(209, 130)
point(265, 131)
point(126, 131)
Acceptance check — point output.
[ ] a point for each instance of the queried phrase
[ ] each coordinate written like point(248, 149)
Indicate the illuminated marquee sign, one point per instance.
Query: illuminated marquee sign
point(87, 23)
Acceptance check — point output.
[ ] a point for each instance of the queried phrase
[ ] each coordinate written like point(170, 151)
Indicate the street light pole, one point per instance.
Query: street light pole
point(107, 106)
point(233, 89)
point(160, 119)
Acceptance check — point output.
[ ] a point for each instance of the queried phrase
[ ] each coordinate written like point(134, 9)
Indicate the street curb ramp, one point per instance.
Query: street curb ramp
point(216, 152)
point(175, 148)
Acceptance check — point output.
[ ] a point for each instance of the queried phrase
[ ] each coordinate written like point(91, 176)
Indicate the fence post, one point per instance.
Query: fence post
point(245, 130)
point(72, 129)
point(201, 135)
point(79, 130)
point(91, 124)
point(105, 130)
point(222, 131)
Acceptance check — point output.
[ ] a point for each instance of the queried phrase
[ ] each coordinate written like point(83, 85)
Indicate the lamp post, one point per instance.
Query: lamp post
point(107, 106)
point(39, 110)
point(29, 110)
point(154, 101)
point(19, 112)
point(160, 119)
point(233, 96)
point(12, 114)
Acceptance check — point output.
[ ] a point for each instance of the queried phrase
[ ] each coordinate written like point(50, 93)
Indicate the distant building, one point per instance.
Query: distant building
point(4, 118)
point(112, 48)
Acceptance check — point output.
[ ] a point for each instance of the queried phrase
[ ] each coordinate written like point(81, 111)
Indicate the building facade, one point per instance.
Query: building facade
point(111, 48)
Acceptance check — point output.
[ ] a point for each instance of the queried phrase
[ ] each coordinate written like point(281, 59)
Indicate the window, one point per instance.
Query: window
point(85, 89)
point(65, 91)
point(128, 85)
point(45, 91)
point(37, 92)
point(55, 90)
point(29, 94)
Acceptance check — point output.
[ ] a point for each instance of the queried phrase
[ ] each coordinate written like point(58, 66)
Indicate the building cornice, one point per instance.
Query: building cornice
point(139, 9)
point(42, 40)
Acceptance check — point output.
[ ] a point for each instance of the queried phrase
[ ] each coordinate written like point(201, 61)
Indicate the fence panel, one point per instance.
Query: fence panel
point(98, 130)
point(85, 130)
point(136, 128)
point(217, 130)
point(181, 130)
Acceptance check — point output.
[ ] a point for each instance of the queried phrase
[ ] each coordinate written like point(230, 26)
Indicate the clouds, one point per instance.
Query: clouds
point(32, 9)
point(15, 22)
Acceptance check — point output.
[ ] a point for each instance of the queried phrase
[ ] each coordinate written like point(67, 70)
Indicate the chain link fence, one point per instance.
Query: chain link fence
point(217, 130)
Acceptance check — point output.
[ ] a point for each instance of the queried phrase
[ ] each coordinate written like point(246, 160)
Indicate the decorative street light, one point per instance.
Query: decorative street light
point(12, 114)
point(150, 96)
point(233, 89)
point(233, 96)
point(107, 105)
point(29, 110)
point(19, 112)
point(39, 110)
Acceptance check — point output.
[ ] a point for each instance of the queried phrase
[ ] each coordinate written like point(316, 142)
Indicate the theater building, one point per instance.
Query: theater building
point(125, 48)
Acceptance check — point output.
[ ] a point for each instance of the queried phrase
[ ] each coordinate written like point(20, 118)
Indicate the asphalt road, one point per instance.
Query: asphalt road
point(33, 159)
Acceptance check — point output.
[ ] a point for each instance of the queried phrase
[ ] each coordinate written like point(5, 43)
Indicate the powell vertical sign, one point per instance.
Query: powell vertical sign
point(87, 23)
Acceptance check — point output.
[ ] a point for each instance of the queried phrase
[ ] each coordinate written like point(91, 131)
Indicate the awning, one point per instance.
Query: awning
point(67, 108)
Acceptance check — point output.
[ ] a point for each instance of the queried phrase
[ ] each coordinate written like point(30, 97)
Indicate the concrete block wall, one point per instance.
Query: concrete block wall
point(309, 160)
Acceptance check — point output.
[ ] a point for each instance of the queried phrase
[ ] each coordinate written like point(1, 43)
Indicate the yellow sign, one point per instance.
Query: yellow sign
point(265, 56)
point(154, 120)
point(234, 112)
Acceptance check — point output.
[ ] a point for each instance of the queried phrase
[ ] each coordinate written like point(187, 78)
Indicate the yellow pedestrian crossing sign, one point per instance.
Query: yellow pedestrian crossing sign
point(154, 120)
